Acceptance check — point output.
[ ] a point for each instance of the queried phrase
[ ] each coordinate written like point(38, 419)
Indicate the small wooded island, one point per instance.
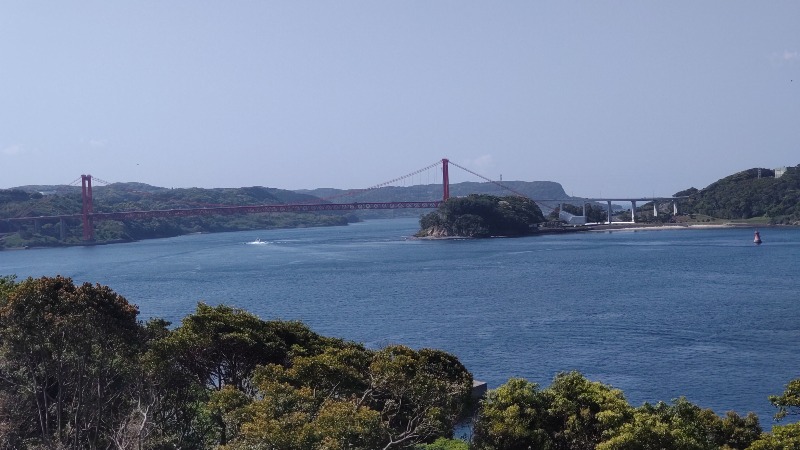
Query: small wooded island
point(481, 215)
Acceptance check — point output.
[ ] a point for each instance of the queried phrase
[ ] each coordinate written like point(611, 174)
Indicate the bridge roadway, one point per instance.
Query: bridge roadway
point(355, 206)
point(632, 200)
point(91, 217)
point(248, 209)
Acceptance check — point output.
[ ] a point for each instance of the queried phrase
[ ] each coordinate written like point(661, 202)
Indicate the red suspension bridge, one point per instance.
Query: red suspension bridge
point(88, 216)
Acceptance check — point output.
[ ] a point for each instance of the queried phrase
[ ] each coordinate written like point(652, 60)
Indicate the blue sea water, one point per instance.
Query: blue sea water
point(659, 314)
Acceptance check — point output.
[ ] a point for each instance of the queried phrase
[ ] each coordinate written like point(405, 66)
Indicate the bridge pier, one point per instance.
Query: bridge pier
point(62, 228)
point(657, 201)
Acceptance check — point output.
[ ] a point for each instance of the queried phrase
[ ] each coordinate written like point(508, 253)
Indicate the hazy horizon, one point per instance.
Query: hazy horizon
point(77, 183)
point(605, 98)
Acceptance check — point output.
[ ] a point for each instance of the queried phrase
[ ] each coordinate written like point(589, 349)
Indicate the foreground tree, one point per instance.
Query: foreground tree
point(446, 444)
point(293, 418)
point(78, 371)
point(788, 403)
point(7, 283)
point(513, 417)
point(215, 348)
point(683, 425)
point(348, 397)
point(420, 395)
point(68, 358)
point(581, 413)
point(783, 437)
point(574, 413)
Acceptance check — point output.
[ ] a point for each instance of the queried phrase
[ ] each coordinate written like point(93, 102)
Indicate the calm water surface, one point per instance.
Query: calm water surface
point(659, 314)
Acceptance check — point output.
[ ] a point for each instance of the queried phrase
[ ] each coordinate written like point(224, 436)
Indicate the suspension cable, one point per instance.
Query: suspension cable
point(501, 185)
point(490, 180)
point(102, 181)
point(385, 183)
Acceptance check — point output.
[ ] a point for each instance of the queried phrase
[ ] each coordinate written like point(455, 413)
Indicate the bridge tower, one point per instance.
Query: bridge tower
point(445, 180)
point(86, 198)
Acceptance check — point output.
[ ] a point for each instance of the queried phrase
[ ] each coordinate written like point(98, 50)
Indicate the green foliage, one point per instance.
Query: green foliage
point(348, 397)
point(581, 412)
point(788, 403)
point(513, 416)
point(483, 216)
point(420, 395)
point(744, 195)
point(222, 346)
point(17, 195)
point(140, 197)
point(228, 378)
point(78, 371)
point(683, 425)
point(289, 417)
point(574, 413)
point(7, 283)
point(445, 444)
point(530, 189)
point(68, 359)
point(783, 437)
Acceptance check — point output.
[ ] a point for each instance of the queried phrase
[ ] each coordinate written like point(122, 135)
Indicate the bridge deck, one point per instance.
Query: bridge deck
point(247, 209)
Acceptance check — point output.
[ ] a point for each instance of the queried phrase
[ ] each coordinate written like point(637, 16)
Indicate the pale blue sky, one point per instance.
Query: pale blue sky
point(605, 97)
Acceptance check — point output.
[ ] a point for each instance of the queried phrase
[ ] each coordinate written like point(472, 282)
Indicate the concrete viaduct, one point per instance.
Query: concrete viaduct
point(569, 218)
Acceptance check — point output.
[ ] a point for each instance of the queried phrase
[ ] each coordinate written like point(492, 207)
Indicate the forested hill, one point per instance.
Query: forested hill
point(482, 215)
point(34, 201)
point(747, 195)
point(140, 196)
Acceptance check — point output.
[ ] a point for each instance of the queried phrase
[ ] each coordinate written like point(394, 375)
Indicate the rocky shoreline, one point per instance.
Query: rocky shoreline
point(433, 234)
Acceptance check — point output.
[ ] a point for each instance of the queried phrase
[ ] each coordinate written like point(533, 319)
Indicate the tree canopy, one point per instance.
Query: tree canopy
point(78, 371)
point(747, 194)
point(574, 413)
point(68, 359)
point(482, 216)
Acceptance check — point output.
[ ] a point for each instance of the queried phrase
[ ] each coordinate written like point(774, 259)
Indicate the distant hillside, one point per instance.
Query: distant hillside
point(140, 196)
point(533, 189)
point(43, 200)
point(745, 195)
point(538, 190)
point(33, 201)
